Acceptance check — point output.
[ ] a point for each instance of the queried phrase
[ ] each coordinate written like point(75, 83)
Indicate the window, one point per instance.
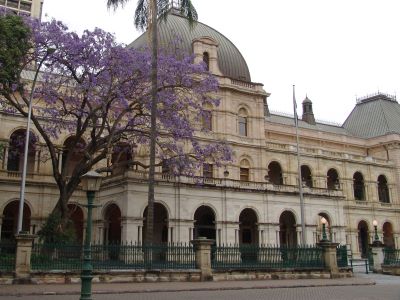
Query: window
point(208, 170)
point(358, 186)
point(25, 6)
point(206, 60)
point(243, 126)
point(207, 120)
point(383, 190)
point(12, 3)
point(165, 168)
point(244, 174)
point(306, 176)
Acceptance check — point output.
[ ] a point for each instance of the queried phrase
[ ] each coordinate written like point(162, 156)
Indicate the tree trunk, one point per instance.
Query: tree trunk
point(153, 130)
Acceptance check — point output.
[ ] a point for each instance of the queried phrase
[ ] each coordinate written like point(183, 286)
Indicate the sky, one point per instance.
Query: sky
point(333, 51)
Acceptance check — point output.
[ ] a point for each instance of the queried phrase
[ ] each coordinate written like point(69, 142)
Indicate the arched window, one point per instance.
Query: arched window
point(72, 154)
point(16, 150)
point(242, 122)
point(358, 186)
point(206, 60)
point(332, 180)
point(388, 238)
point(275, 173)
point(121, 156)
point(206, 120)
point(306, 176)
point(383, 190)
point(244, 170)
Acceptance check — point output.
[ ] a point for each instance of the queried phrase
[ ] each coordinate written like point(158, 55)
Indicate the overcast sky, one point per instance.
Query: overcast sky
point(332, 50)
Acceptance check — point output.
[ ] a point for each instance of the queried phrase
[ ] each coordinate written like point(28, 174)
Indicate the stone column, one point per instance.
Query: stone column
point(203, 257)
point(378, 255)
point(23, 258)
point(330, 257)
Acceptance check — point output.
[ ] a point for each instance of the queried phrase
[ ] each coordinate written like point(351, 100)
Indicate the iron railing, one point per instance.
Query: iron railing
point(114, 256)
point(391, 257)
point(341, 256)
point(7, 255)
point(267, 257)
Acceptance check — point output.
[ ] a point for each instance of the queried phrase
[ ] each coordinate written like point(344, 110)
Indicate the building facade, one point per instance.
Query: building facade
point(350, 173)
point(31, 8)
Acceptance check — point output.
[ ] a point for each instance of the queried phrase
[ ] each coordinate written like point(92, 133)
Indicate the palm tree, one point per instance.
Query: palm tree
point(146, 14)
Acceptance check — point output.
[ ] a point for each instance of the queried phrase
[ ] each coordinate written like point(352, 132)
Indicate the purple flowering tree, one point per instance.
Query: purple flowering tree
point(98, 93)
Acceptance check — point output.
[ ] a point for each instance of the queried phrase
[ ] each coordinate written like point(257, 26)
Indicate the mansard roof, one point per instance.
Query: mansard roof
point(374, 116)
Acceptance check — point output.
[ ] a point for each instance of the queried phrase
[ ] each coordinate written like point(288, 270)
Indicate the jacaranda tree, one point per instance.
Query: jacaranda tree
point(99, 92)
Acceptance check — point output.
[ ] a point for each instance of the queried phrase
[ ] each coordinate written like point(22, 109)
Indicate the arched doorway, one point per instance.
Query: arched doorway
point(388, 238)
point(160, 224)
point(327, 227)
point(287, 229)
point(332, 180)
point(76, 216)
point(10, 220)
point(275, 173)
point(248, 228)
point(112, 218)
point(363, 238)
point(204, 223)
point(15, 154)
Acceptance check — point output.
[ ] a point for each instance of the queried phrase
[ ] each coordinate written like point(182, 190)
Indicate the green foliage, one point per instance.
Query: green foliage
point(57, 230)
point(14, 47)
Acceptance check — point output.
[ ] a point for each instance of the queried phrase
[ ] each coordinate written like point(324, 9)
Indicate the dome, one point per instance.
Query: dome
point(230, 60)
point(306, 100)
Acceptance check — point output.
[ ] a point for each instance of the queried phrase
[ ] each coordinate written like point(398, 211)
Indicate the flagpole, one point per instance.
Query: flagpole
point(300, 181)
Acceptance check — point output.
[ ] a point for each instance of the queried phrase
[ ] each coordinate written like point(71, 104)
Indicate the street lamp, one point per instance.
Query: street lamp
point(324, 237)
point(376, 242)
point(90, 183)
point(26, 147)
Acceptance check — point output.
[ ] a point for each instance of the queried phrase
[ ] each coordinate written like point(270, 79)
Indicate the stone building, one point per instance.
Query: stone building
point(350, 173)
point(31, 8)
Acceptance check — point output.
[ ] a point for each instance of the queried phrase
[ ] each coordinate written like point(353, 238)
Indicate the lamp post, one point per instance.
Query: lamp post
point(324, 236)
point(90, 183)
point(376, 241)
point(26, 147)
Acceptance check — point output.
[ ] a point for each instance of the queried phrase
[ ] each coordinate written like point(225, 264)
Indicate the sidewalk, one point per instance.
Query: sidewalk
point(122, 288)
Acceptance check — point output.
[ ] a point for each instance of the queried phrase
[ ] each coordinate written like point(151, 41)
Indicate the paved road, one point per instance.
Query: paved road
point(378, 292)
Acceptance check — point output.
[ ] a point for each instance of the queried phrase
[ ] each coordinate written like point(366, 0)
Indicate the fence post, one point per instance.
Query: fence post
point(203, 257)
point(23, 257)
point(330, 257)
point(378, 257)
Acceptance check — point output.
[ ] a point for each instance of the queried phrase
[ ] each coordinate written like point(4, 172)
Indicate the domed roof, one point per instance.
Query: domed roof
point(306, 100)
point(230, 60)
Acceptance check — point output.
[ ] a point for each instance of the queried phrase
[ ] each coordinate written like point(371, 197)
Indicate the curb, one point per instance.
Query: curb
point(140, 291)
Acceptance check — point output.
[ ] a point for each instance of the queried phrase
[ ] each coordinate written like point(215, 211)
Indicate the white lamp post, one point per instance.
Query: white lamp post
point(28, 128)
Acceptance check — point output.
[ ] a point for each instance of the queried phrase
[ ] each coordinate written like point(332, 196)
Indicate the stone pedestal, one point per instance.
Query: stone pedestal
point(330, 257)
point(378, 256)
point(23, 257)
point(203, 257)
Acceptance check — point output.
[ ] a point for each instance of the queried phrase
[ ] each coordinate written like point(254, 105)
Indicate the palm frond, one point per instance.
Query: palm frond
point(115, 3)
point(141, 19)
point(187, 10)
